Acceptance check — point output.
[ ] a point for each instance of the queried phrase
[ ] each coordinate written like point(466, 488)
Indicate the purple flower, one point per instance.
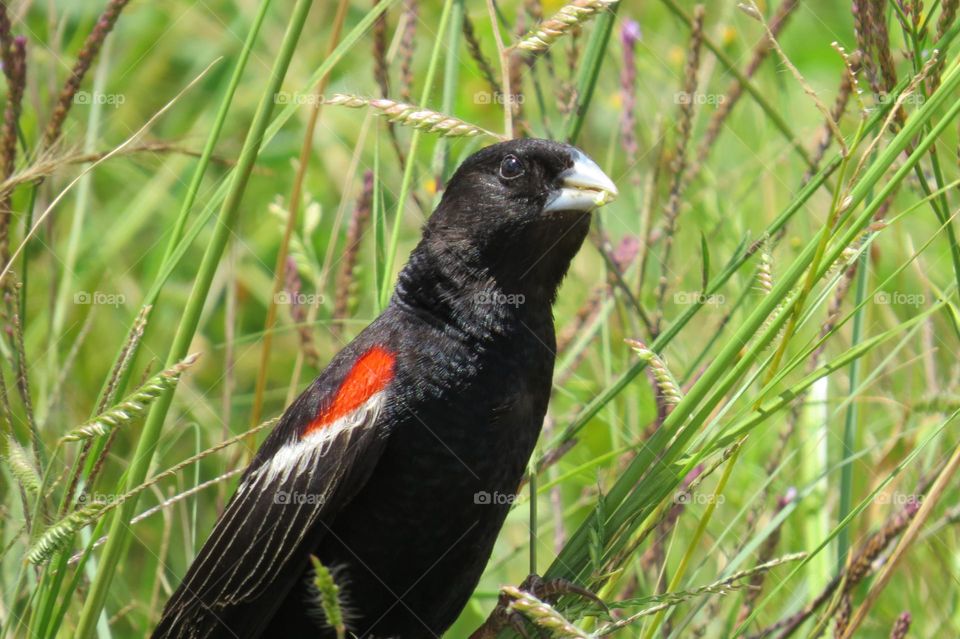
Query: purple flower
point(630, 34)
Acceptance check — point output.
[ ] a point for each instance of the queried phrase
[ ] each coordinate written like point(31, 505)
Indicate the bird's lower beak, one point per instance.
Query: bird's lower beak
point(583, 187)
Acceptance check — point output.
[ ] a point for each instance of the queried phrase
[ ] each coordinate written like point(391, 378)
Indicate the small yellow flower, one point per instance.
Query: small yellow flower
point(676, 55)
point(728, 36)
point(429, 185)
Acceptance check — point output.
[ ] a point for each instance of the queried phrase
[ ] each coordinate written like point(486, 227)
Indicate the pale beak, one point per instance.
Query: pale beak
point(584, 187)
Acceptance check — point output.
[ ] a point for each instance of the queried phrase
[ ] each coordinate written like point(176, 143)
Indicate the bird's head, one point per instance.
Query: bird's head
point(520, 210)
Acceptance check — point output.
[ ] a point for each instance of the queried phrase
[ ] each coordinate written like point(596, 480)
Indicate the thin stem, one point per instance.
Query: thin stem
point(407, 180)
point(293, 210)
point(503, 54)
point(850, 420)
point(150, 435)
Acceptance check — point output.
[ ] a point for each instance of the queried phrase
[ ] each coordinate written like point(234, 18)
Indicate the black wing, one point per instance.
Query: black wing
point(260, 544)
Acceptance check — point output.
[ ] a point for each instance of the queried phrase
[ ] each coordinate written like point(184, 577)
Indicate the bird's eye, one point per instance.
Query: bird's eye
point(511, 168)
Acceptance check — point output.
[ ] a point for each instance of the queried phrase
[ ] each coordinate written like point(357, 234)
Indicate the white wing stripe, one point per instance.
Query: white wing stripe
point(300, 455)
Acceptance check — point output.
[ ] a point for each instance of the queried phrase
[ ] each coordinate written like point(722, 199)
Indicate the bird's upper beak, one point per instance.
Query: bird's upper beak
point(583, 187)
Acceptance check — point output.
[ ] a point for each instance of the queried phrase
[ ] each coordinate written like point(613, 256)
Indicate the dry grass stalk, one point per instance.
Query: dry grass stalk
point(841, 618)
point(517, 63)
point(473, 48)
point(6, 420)
point(896, 114)
point(300, 313)
point(861, 28)
point(16, 82)
point(380, 69)
point(14, 57)
point(679, 163)
point(573, 51)
point(345, 281)
point(6, 40)
point(561, 23)
point(381, 74)
point(849, 86)
point(858, 567)
point(901, 626)
point(502, 56)
point(41, 219)
point(735, 89)
point(629, 36)
point(412, 116)
point(948, 14)
point(91, 47)
point(913, 518)
point(50, 162)
point(881, 43)
point(408, 41)
point(751, 10)
point(873, 39)
point(23, 386)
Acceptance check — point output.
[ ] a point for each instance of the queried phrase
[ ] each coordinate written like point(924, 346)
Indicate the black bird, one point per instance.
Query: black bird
point(397, 465)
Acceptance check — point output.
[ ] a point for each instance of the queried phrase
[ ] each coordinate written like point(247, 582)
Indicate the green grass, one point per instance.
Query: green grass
point(840, 388)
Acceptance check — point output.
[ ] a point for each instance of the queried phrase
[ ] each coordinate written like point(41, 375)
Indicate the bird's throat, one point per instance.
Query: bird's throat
point(518, 280)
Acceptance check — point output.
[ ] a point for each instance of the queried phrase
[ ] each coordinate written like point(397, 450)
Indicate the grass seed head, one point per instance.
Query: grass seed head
point(329, 594)
point(542, 614)
point(666, 384)
point(412, 116)
point(133, 406)
point(564, 21)
point(57, 536)
point(21, 467)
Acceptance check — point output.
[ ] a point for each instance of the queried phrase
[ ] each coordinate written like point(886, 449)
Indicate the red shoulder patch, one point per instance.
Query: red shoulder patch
point(368, 376)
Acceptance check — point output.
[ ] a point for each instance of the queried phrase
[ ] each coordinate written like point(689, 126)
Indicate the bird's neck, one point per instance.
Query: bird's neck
point(468, 290)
